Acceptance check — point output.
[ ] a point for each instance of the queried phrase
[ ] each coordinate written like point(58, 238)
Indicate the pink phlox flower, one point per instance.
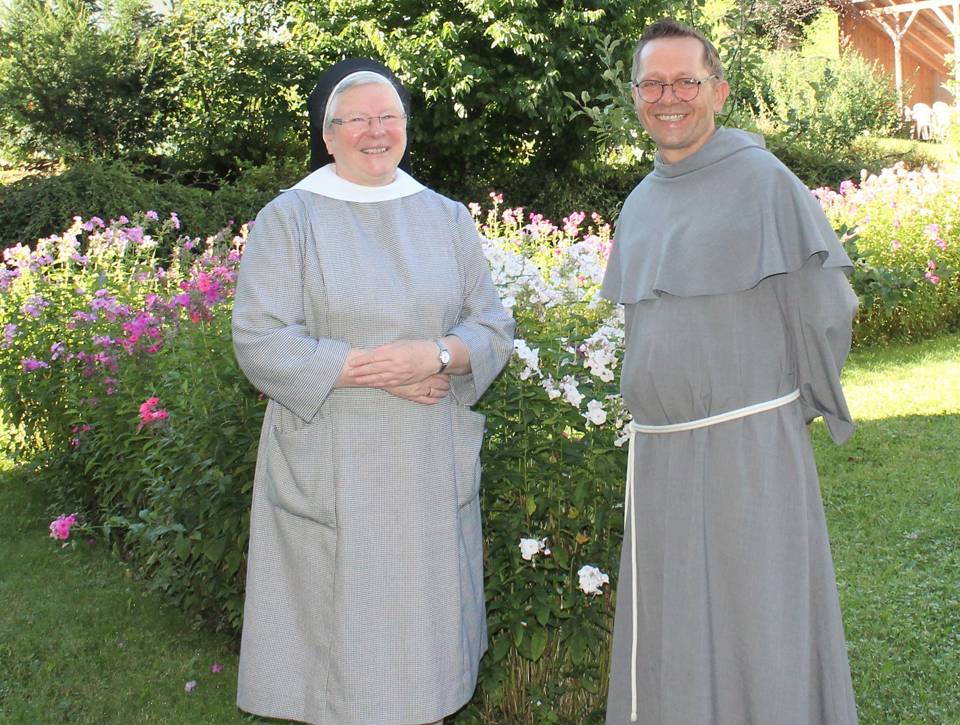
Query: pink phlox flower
point(10, 331)
point(151, 413)
point(571, 224)
point(60, 528)
point(123, 219)
point(84, 316)
point(932, 230)
point(34, 305)
point(152, 215)
point(31, 363)
point(931, 264)
point(56, 350)
point(896, 245)
point(940, 243)
point(474, 208)
point(497, 198)
point(175, 219)
point(215, 668)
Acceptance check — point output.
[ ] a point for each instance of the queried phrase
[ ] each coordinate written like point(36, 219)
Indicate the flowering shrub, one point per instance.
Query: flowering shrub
point(96, 332)
point(553, 471)
point(907, 249)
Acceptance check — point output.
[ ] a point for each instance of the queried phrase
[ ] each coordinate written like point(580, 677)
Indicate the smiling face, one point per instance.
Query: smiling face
point(370, 156)
point(678, 127)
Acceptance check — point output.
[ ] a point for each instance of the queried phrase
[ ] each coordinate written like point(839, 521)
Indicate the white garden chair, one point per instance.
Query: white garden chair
point(941, 119)
point(922, 116)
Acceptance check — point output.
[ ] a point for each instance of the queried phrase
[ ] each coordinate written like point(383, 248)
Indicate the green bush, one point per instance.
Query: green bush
point(81, 79)
point(824, 103)
point(37, 206)
point(818, 167)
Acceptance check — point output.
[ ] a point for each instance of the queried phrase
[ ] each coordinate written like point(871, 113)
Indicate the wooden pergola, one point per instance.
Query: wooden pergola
point(928, 29)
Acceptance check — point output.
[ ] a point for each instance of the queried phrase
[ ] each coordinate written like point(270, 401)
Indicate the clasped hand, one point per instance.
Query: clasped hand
point(406, 368)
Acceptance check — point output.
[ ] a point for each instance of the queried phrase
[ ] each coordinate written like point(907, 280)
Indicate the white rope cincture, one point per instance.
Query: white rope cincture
point(633, 428)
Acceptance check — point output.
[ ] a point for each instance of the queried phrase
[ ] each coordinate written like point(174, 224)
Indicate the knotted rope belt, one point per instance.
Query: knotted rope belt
point(629, 509)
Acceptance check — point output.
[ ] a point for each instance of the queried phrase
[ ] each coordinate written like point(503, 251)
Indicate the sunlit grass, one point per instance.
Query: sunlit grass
point(892, 497)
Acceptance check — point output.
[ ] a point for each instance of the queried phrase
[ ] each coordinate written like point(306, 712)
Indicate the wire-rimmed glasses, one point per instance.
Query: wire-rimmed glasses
point(389, 122)
point(685, 89)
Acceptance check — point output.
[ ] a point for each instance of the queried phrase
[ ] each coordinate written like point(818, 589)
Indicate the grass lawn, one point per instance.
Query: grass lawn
point(81, 641)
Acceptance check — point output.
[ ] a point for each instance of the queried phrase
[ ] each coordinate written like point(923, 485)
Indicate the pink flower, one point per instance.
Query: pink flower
point(497, 198)
point(60, 529)
point(215, 669)
point(150, 413)
point(189, 686)
point(896, 245)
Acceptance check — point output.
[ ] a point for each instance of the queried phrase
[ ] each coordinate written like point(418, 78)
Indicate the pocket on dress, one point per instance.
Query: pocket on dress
point(468, 439)
point(302, 479)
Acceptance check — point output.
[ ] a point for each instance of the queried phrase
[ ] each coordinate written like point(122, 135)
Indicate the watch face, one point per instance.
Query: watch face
point(445, 357)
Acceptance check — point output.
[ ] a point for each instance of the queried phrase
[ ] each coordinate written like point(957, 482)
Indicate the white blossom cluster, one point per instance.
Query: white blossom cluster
point(517, 277)
point(529, 548)
point(591, 579)
point(600, 350)
point(530, 358)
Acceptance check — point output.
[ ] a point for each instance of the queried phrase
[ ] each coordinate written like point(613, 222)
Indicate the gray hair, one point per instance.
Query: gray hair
point(360, 78)
point(670, 28)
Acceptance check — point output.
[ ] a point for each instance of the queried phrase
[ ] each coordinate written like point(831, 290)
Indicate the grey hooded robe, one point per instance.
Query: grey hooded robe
point(735, 293)
point(365, 595)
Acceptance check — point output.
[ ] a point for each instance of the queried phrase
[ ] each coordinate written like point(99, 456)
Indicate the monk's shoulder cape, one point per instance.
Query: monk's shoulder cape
point(717, 222)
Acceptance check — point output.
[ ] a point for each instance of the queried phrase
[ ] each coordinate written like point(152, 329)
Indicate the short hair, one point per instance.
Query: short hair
point(360, 78)
point(670, 28)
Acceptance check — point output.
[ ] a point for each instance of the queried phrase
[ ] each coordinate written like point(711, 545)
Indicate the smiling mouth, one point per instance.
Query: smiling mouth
point(381, 150)
point(676, 117)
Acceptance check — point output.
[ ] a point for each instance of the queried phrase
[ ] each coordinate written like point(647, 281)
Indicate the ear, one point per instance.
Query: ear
point(720, 95)
point(636, 98)
point(326, 141)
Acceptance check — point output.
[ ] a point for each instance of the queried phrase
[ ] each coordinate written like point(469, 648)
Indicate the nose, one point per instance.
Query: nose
point(375, 126)
point(669, 95)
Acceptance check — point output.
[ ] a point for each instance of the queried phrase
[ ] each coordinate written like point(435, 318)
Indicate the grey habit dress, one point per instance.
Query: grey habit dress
point(735, 293)
point(365, 595)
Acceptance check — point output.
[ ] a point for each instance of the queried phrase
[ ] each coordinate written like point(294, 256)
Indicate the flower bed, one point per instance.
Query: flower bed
point(906, 243)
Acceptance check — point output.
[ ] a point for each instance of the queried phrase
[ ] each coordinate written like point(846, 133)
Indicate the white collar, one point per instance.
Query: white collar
point(325, 182)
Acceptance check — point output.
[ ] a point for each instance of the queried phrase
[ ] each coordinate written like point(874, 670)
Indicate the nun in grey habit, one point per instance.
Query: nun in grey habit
point(735, 293)
point(366, 313)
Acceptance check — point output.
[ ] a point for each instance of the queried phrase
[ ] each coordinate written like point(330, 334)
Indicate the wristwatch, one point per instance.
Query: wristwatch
point(444, 357)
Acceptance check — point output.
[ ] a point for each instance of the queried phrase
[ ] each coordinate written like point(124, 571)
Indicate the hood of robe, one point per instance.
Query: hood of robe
point(719, 221)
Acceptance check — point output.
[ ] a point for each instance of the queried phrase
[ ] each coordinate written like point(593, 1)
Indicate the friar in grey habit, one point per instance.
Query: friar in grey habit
point(738, 315)
point(365, 311)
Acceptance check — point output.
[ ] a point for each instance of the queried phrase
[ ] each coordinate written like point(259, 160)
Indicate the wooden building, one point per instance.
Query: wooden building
point(911, 39)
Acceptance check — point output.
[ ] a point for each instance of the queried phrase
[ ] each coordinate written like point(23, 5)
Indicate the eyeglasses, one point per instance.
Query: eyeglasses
point(390, 122)
point(685, 89)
